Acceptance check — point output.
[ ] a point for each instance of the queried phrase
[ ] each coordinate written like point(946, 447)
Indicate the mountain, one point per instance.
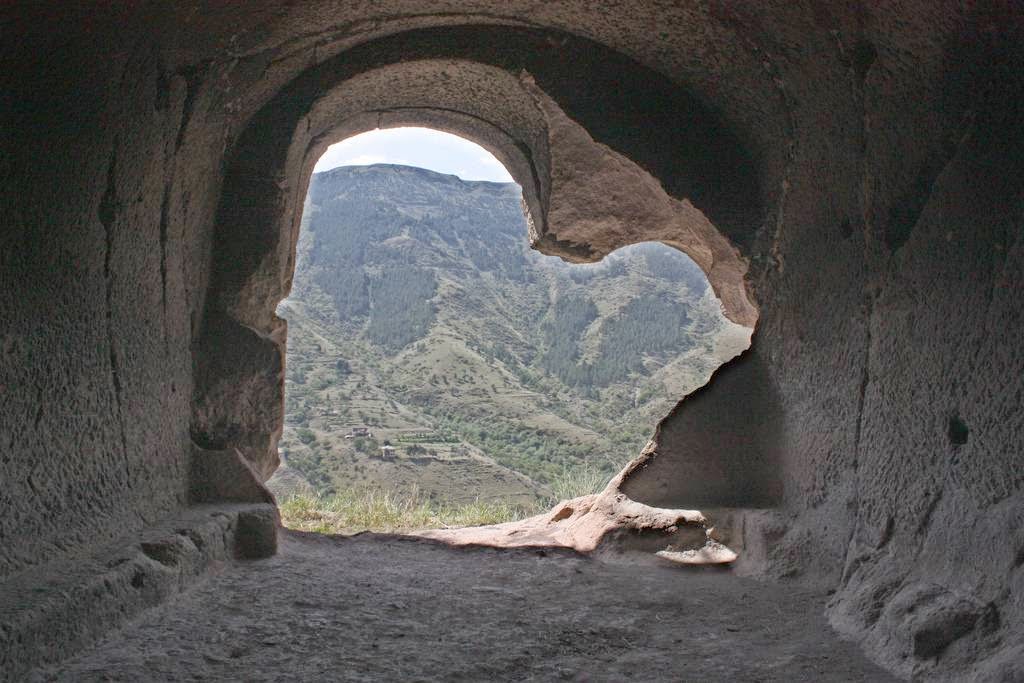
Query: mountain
point(419, 311)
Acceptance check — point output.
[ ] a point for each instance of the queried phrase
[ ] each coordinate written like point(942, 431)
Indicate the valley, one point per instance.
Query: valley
point(493, 372)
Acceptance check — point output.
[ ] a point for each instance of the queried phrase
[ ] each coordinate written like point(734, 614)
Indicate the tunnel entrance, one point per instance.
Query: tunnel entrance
point(440, 373)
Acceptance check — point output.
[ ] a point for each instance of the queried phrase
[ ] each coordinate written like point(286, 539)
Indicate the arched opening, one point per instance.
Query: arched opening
point(441, 373)
point(584, 197)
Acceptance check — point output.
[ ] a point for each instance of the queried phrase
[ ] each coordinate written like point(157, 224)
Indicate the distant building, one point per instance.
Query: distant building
point(359, 432)
point(387, 451)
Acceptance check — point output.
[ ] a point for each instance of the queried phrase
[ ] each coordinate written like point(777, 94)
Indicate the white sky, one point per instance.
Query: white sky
point(423, 147)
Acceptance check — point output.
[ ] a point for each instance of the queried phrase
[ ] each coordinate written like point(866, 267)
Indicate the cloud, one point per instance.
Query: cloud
point(424, 148)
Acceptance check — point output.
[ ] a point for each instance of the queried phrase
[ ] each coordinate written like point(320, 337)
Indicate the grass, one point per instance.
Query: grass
point(387, 512)
point(383, 511)
point(578, 481)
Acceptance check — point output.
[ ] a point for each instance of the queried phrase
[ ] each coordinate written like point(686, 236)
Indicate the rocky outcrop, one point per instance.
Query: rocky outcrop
point(605, 523)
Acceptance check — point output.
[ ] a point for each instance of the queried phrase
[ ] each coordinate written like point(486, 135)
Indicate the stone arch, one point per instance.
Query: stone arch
point(608, 153)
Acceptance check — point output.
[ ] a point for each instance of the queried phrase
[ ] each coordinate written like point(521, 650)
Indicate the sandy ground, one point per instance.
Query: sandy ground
point(375, 608)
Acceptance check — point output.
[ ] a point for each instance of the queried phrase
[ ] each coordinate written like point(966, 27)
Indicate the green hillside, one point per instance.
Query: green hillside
point(419, 312)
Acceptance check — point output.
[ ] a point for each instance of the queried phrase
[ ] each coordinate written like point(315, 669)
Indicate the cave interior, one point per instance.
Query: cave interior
point(850, 177)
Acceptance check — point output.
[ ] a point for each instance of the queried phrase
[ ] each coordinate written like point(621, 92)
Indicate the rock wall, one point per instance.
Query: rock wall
point(888, 292)
point(864, 162)
point(103, 268)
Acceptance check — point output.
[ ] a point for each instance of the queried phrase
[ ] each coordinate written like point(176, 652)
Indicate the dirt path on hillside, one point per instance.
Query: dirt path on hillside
point(374, 608)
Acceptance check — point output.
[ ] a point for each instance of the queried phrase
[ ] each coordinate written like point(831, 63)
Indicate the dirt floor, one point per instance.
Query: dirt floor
point(374, 608)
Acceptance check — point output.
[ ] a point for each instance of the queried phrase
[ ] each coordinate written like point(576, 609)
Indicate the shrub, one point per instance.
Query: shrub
point(366, 445)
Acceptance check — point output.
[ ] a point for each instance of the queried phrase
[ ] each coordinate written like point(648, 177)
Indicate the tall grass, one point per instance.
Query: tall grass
point(392, 512)
point(389, 512)
point(577, 481)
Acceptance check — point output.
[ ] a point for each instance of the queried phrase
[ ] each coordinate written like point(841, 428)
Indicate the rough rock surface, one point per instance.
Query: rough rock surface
point(400, 609)
point(605, 524)
point(75, 603)
point(864, 160)
point(602, 521)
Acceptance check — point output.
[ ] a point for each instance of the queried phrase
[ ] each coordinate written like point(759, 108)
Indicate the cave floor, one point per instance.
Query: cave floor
point(379, 608)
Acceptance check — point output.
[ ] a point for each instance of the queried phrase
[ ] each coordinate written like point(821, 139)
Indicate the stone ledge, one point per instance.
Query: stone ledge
point(51, 612)
point(751, 533)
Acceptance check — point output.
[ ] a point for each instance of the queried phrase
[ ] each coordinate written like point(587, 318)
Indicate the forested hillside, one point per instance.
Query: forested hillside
point(419, 311)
